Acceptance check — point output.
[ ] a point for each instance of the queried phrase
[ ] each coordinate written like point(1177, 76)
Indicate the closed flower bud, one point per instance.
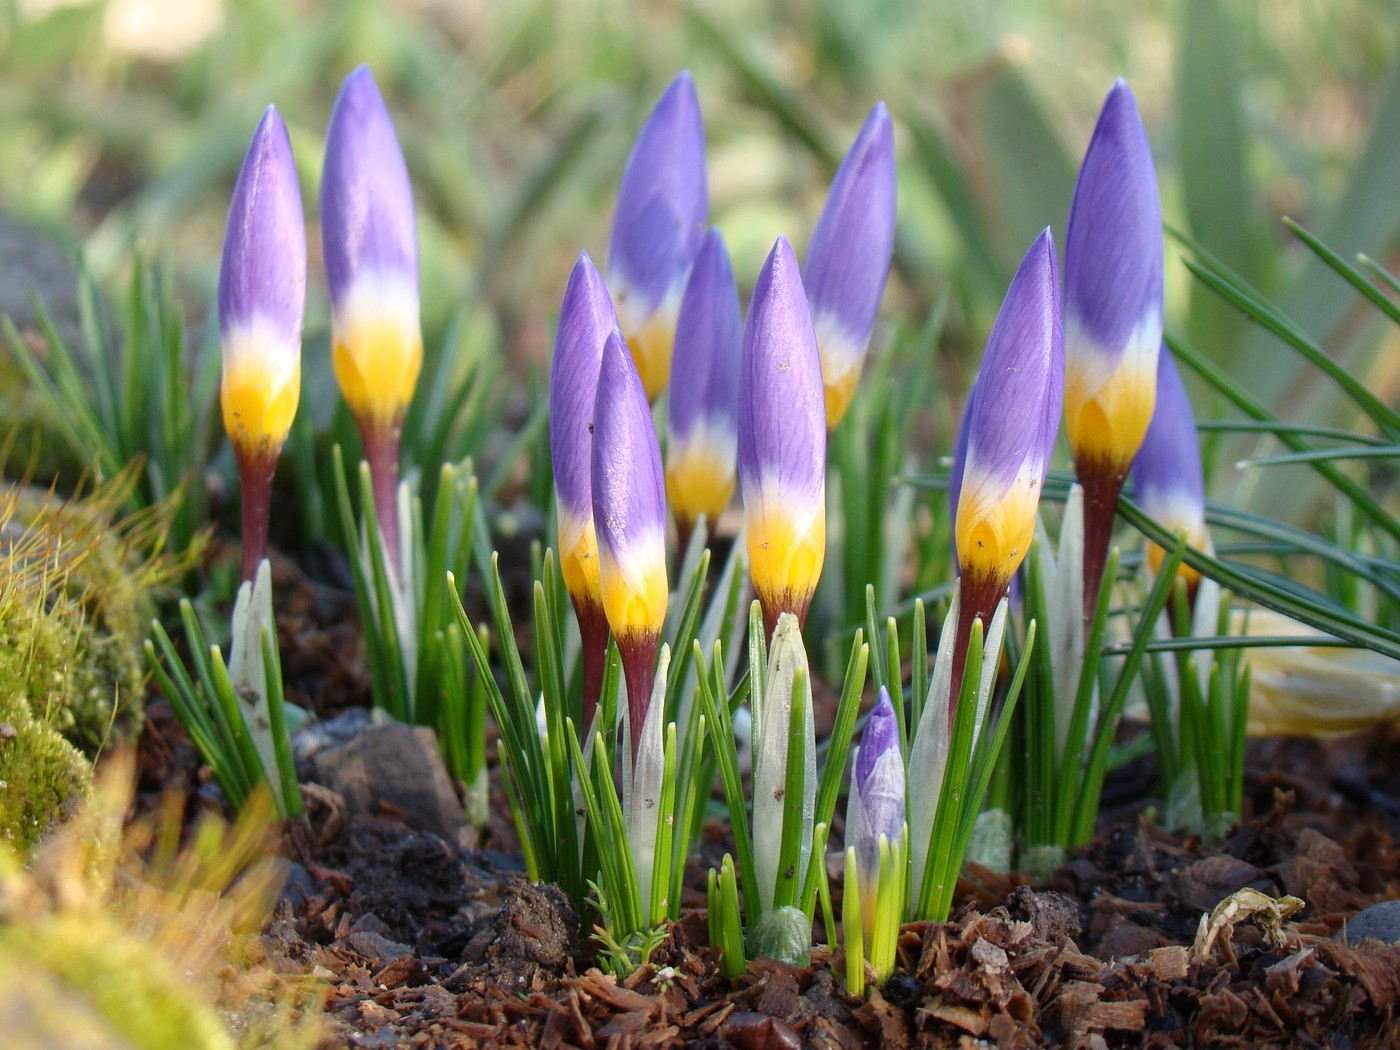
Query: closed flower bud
point(782, 441)
point(848, 259)
point(262, 298)
point(657, 228)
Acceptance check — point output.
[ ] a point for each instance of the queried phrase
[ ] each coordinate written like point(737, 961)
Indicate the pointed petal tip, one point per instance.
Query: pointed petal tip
point(883, 701)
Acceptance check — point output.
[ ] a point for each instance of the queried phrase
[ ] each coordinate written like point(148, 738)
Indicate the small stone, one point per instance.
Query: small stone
point(395, 767)
point(1379, 922)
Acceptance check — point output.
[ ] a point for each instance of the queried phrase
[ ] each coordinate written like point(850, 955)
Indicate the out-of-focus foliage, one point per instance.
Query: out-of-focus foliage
point(122, 937)
point(123, 121)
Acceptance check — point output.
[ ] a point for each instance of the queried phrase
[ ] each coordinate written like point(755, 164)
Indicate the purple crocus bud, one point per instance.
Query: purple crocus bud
point(849, 259)
point(262, 298)
point(875, 805)
point(782, 441)
point(704, 405)
point(586, 319)
point(1167, 469)
point(1113, 316)
point(660, 219)
point(1013, 418)
point(629, 513)
point(370, 241)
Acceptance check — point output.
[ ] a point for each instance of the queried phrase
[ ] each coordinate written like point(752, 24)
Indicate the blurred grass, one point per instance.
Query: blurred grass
point(516, 120)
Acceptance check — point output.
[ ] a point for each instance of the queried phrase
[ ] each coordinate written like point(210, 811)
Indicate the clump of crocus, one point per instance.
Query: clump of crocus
point(262, 297)
point(1011, 425)
point(782, 441)
point(704, 400)
point(1113, 317)
point(629, 514)
point(848, 259)
point(370, 242)
point(657, 228)
point(586, 319)
point(1167, 469)
point(875, 806)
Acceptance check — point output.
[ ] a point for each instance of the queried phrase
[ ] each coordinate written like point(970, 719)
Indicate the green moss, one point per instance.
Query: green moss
point(127, 992)
point(42, 775)
point(86, 672)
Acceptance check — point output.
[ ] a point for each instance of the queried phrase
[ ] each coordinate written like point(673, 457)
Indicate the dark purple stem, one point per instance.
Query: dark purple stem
point(639, 670)
point(382, 454)
point(1101, 485)
point(593, 632)
point(255, 470)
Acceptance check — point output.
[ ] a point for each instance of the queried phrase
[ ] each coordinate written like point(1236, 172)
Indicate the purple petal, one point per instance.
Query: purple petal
point(782, 408)
point(705, 368)
point(880, 736)
point(367, 223)
point(1113, 246)
point(879, 781)
point(629, 489)
point(586, 319)
point(1167, 469)
point(955, 473)
point(263, 273)
point(663, 200)
point(1015, 409)
point(848, 259)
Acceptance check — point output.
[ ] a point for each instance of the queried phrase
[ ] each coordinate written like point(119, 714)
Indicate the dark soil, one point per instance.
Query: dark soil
point(428, 941)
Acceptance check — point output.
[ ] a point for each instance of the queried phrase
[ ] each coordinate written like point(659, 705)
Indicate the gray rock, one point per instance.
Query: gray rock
point(32, 266)
point(1379, 922)
point(393, 768)
point(316, 735)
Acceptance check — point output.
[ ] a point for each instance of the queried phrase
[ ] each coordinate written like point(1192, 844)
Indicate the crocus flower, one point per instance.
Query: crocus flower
point(849, 259)
point(1167, 469)
point(657, 228)
point(1113, 316)
point(586, 319)
point(704, 406)
point(262, 297)
point(370, 242)
point(1012, 421)
point(875, 805)
point(782, 441)
point(629, 514)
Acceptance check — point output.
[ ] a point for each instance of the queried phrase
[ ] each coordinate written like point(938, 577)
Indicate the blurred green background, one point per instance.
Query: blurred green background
point(122, 125)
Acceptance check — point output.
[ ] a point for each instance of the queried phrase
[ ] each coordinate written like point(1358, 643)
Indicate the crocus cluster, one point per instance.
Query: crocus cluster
point(677, 305)
point(747, 403)
point(371, 251)
point(371, 254)
point(1113, 317)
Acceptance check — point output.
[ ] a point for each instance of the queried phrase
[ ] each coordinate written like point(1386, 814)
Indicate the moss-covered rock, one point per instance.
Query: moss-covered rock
point(86, 671)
